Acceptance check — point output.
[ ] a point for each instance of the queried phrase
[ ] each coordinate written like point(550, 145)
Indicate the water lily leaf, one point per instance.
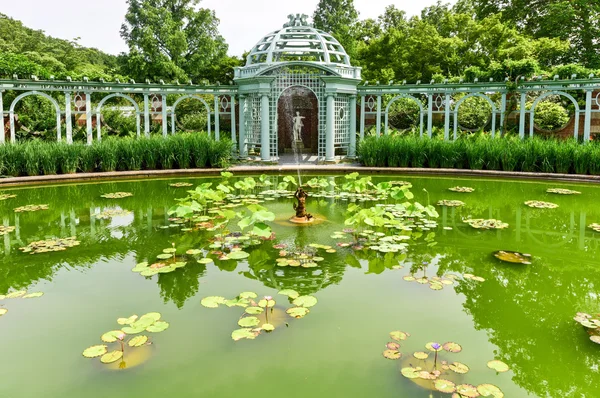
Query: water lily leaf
point(513, 257)
point(452, 347)
point(3, 311)
point(193, 252)
point(410, 372)
point(436, 285)
point(409, 278)
point(155, 316)
point(248, 295)
point(434, 347)
point(2, 297)
point(541, 205)
point(18, 294)
point(392, 354)
point(399, 336)
point(254, 310)
point(140, 267)
point(112, 336)
point(164, 256)
point(94, 351)
point(467, 390)
point(205, 260)
point(445, 386)
point(392, 346)
point(127, 321)
point(239, 255)
point(237, 303)
point(267, 327)
point(309, 265)
point(459, 368)
point(498, 366)
point(134, 330)
point(33, 295)
point(111, 357)
point(138, 341)
point(297, 312)
point(213, 301)
point(305, 301)
point(595, 339)
point(158, 327)
point(264, 303)
point(487, 390)
point(290, 293)
point(245, 333)
point(150, 272)
point(421, 355)
point(247, 322)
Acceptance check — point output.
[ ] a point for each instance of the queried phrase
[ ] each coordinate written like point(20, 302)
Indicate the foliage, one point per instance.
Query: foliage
point(43, 158)
point(482, 152)
point(550, 115)
point(338, 17)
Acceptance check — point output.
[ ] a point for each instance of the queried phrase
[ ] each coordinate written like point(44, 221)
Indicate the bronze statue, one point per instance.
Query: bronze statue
point(300, 208)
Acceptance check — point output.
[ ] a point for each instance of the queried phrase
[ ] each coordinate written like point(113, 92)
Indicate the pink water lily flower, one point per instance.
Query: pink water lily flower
point(268, 297)
point(121, 336)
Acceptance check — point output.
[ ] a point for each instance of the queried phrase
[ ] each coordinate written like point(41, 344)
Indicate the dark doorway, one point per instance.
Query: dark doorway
point(303, 100)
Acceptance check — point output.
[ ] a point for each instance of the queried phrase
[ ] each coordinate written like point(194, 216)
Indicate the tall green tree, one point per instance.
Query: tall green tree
point(340, 18)
point(171, 39)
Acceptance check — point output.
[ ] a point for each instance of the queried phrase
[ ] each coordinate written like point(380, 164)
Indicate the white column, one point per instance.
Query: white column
point(522, 115)
point(88, 117)
point(146, 115)
point(587, 127)
point(378, 125)
point(330, 133)
point(429, 115)
point(233, 126)
point(243, 145)
point(352, 149)
point(217, 119)
point(362, 117)
point(502, 113)
point(68, 121)
point(447, 117)
point(2, 139)
point(265, 139)
point(165, 129)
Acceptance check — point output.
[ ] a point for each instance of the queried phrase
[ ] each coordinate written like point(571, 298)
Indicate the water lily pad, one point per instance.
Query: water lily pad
point(5, 196)
point(487, 224)
point(462, 189)
point(467, 391)
point(159, 326)
point(239, 255)
point(111, 357)
point(410, 372)
point(127, 321)
point(595, 227)
point(111, 213)
point(50, 245)
point(421, 355)
point(245, 333)
point(94, 351)
point(267, 327)
point(264, 303)
point(248, 295)
point(445, 386)
point(290, 293)
point(595, 339)
point(399, 336)
point(513, 257)
point(112, 336)
point(134, 329)
point(193, 252)
point(434, 347)
point(150, 271)
point(297, 312)
point(392, 346)
point(138, 341)
point(31, 208)
point(3, 311)
point(254, 310)
point(181, 185)
point(498, 366)
point(213, 301)
point(436, 285)
point(164, 256)
point(305, 301)
point(33, 295)
point(561, 191)
point(6, 230)
point(250, 321)
point(487, 390)
point(458, 367)
point(541, 205)
point(117, 195)
point(451, 203)
point(16, 294)
point(392, 354)
point(452, 347)
point(409, 278)
point(205, 261)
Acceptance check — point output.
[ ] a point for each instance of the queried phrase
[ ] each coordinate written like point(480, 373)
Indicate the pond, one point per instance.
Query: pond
point(430, 280)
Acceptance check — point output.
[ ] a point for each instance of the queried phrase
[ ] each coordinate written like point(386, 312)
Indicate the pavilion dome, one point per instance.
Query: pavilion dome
point(298, 41)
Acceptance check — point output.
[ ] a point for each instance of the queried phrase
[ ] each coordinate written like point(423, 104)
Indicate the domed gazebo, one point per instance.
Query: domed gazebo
point(298, 92)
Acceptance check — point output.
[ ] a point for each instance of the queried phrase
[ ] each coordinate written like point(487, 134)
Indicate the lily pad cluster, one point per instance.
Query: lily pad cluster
point(133, 325)
point(451, 203)
point(307, 258)
point(435, 283)
point(592, 325)
point(6, 196)
point(50, 245)
point(560, 191)
point(260, 314)
point(30, 208)
point(108, 214)
point(595, 227)
point(6, 230)
point(181, 185)
point(18, 294)
point(427, 369)
point(537, 204)
point(513, 257)
point(117, 195)
point(146, 269)
point(480, 223)
point(462, 189)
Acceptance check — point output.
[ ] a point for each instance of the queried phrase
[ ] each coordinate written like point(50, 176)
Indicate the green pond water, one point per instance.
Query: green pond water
point(521, 314)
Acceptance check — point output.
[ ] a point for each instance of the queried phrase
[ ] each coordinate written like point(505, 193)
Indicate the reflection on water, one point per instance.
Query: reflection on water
point(525, 311)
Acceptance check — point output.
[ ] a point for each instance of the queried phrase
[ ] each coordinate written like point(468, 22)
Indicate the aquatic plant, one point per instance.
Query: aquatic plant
point(150, 322)
point(181, 185)
point(462, 189)
point(592, 325)
point(305, 258)
point(4, 230)
point(541, 205)
point(560, 191)
point(486, 224)
point(451, 203)
point(117, 195)
point(513, 257)
point(50, 245)
point(30, 208)
point(6, 196)
point(110, 213)
point(18, 294)
point(498, 366)
point(595, 227)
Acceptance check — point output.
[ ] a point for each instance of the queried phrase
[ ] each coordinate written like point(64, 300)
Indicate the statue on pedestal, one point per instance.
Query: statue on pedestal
point(300, 208)
point(298, 124)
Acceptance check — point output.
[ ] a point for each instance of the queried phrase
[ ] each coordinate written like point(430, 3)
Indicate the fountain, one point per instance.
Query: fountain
point(301, 217)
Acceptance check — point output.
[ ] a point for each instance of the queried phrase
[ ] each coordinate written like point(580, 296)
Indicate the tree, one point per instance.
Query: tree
point(171, 39)
point(340, 18)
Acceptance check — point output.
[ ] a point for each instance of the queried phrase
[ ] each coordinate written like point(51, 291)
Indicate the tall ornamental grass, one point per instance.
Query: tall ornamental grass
point(181, 151)
point(482, 153)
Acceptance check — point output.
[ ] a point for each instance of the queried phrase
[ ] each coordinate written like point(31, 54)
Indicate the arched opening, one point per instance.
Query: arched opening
point(298, 106)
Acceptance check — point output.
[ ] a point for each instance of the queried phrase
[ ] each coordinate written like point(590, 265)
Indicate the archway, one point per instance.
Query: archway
point(302, 100)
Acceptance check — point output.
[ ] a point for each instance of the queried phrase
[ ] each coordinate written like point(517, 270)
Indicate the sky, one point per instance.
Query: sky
point(243, 22)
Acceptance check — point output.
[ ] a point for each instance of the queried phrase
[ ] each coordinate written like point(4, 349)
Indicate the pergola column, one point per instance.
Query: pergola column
point(217, 119)
point(587, 128)
point(2, 139)
point(68, 121)
point(378, 122)
point(265, 133)
point(352, 148)
point(233, 121)
point(243, 144)
point(330, 134)
point(88, 117)
point(362, 117)
point(146, 116)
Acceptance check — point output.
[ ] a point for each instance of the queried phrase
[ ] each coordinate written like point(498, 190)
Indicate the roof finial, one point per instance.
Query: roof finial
point(297, 20)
